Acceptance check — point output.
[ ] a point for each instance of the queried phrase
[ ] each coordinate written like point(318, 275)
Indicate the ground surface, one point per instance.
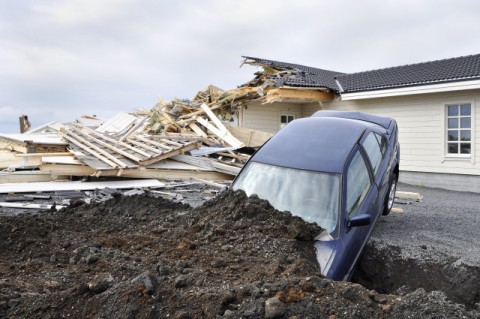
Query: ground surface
point(147, 257)
point(433, 244)
point(443, 222)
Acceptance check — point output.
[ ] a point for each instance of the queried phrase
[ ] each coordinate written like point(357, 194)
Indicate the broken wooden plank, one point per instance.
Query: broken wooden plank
point(214, 118)
point(44, 154)
point(396, 210)
point(93, 149)
point(171, 153)
point(76, 186)
point(57, 169)
point(408, 195)
point(249, 137)
point(152, 171)
point(175, 174)
point(225, 136)
point(197, 130)
point(112, 142)
point(29, 177)
point(218, 185)
point(152, 142)
point(297, 94)
point(133, 140)
point(31, 206)
point(208, 164)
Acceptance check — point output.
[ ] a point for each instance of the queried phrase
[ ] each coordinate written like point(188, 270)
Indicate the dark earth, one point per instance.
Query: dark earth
point(144, 256)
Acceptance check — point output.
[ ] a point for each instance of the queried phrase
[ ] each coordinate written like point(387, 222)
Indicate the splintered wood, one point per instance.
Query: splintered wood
point(135, 153)
point(179, 139)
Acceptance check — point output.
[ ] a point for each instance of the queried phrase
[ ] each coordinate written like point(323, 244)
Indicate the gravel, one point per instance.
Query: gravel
point(443, 222)
point(434, 245)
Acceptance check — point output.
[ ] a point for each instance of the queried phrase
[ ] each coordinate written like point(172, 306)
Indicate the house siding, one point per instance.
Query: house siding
point(422, 133)
point(421, 121)
point(266, 117)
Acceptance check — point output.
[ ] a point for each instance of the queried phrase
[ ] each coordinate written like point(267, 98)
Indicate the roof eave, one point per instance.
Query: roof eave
point(411, 90)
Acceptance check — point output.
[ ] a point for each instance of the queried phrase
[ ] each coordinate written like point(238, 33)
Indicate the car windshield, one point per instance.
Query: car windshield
point(314, 196)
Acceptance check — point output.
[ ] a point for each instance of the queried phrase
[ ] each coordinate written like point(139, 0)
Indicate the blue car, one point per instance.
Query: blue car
point(337, 169)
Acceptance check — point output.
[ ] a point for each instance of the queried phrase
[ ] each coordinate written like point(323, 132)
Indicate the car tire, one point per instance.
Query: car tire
point(390, 198)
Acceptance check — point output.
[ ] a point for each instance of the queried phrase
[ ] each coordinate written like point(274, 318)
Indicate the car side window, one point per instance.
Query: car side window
point(358, 184)
point(372, 147)
point(382, 143)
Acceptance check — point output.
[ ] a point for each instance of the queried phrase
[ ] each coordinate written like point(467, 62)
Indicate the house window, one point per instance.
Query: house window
point(285, 119)
point(459, 129)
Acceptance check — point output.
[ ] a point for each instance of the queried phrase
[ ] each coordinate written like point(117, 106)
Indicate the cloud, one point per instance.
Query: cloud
point(62, 59)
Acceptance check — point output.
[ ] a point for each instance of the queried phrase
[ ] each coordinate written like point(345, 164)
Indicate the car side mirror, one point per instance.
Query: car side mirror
point(360, 220)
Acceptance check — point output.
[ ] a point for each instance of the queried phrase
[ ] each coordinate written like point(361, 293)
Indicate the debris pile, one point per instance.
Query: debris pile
point(201, 137)
point(148, 257)
point(180, 139)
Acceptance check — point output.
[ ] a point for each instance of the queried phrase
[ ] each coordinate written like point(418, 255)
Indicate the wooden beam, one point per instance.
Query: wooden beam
point(68, 169)
point(141, 172)
point(175, 174)
point(171, 153)
point(31, 206)
point(43, 154)
point(249, 137)
point(225, 136)
point(197, 130)
point(111, 145)
point(112, 142)
point(300, 94)
point(29, 177)
point(93, 149)
point(408, 195)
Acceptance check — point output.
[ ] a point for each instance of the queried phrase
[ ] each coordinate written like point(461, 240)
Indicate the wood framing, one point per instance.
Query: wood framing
point(297, 94)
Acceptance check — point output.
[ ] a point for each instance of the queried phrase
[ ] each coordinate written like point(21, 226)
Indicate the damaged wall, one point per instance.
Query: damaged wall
point(266, 117)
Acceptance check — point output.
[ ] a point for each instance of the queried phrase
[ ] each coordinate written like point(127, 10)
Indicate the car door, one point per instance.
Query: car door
point(360, 195)
point(374, 146)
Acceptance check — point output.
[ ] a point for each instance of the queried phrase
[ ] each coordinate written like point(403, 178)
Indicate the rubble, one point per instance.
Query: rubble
point(179, 139)
point(157, 143)
point(147, 257)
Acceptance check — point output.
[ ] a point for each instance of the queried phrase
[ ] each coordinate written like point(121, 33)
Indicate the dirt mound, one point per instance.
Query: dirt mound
point(147, 257)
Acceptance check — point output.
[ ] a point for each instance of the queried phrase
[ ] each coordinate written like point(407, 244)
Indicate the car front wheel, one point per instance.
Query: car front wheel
point(390, 196)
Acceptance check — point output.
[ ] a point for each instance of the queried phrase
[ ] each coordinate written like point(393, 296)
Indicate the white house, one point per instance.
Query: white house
point(434, 103)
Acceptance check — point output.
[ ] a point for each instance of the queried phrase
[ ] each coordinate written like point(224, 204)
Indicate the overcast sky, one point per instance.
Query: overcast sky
point(60, 59)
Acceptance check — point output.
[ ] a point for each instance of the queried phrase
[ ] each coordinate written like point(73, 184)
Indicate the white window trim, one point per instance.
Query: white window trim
point(459, 157)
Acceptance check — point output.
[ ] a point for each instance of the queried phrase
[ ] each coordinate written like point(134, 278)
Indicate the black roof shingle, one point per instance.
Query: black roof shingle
point(433, 72)
point(307, 77)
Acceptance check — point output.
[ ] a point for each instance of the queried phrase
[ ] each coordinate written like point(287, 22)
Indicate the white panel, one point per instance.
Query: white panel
point(75, 186)
point(422, 129)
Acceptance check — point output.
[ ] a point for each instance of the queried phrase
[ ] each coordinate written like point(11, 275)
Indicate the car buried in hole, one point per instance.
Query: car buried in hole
point(338, 169)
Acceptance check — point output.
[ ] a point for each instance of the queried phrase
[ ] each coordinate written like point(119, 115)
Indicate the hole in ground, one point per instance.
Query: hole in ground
point(389, 269)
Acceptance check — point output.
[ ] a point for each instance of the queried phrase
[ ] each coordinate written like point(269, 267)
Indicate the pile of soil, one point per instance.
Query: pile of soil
point(147, 257)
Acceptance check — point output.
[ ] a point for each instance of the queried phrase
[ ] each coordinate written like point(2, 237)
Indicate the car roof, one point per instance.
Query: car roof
point(314, 143)
point(379, 120)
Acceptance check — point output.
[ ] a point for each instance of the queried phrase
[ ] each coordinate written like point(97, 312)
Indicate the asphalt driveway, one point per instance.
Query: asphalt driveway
point(433, 245)
point(443, 222)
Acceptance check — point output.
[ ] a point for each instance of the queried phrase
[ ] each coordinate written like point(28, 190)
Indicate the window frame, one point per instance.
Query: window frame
point(446, 117)
point(379, 139)
point(287, 115)
point(358, 149)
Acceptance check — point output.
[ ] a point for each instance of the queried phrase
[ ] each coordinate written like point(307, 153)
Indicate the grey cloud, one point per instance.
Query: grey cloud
point(68, 58)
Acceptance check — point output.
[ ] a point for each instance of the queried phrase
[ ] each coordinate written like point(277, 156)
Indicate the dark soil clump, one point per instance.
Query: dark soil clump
point(147, 257)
